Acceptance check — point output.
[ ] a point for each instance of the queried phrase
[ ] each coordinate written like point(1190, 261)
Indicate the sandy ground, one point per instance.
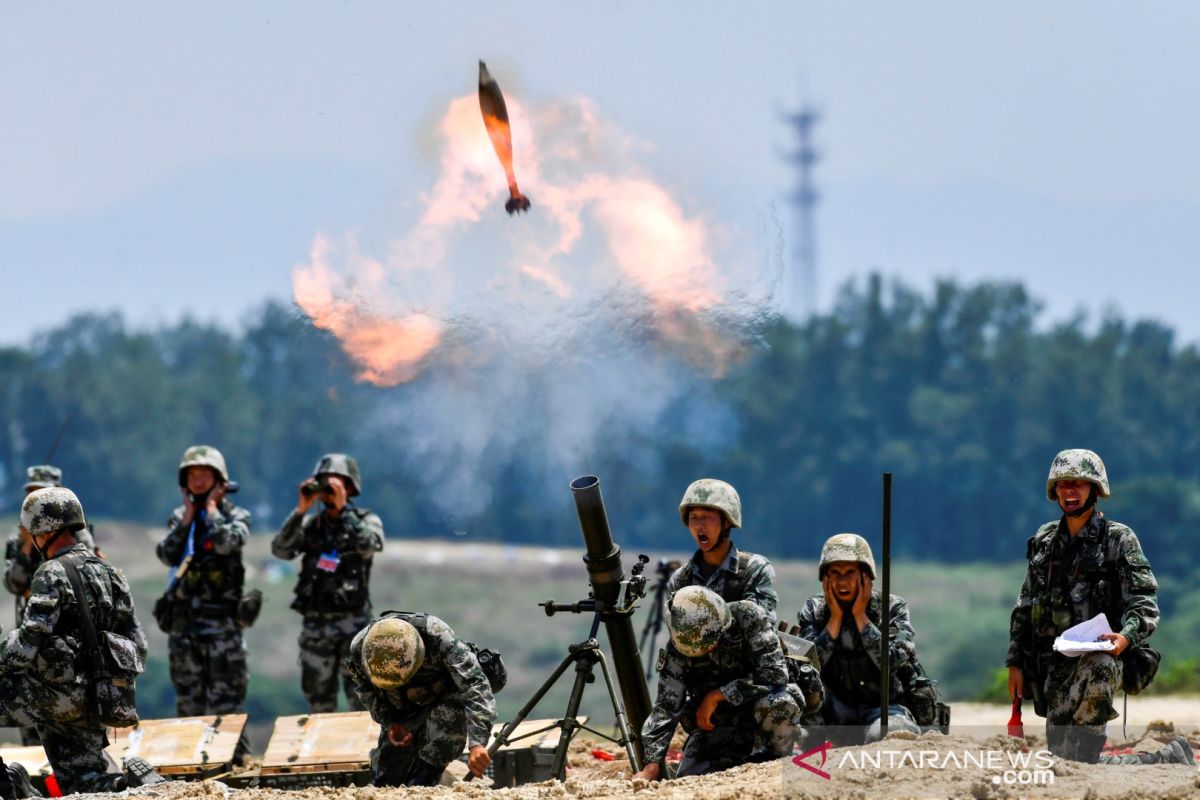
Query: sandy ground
point(967, 764)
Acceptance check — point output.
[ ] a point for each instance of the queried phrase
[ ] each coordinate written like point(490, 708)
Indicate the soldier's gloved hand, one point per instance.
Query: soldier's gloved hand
point(478, 760)
point(707, 706)
point(650, 772)
point(1119, 639)
point(399, 735)
point(1016, 683)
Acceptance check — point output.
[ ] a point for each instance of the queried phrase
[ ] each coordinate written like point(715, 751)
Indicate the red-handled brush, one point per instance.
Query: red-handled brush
point(1015, 726)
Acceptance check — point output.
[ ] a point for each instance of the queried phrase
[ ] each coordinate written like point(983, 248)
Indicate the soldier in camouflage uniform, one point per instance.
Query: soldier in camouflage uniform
point(710, 510)
point(429, 694)
point(842, 623)
point(43, 664)
point(22, 558)
point(723, 677)
point(203, 546)
point(1080, 565)
point(333, 592)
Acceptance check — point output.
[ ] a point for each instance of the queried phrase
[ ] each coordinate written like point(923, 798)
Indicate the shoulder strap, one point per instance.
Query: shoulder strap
point(418, 619)
point(96, 664)
point(733, 586)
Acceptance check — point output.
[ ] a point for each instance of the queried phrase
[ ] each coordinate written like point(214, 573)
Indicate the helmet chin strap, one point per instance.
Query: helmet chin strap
point(1083, 509)
point(44, 549)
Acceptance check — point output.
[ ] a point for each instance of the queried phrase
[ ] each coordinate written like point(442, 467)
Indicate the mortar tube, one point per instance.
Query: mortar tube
point(603, 561)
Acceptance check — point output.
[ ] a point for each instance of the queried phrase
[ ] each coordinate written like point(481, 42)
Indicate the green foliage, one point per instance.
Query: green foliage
point(994, 690)
point(958, 391)
point(1181, 676)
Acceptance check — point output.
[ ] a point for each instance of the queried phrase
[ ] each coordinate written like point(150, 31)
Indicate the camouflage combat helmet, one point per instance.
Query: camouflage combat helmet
point(698, 618)
point(41, 476)
point(51, 509)
point(1077, 465)
point(201, 455)
point(846, 547)
point(714, 494)
point(392, 652)
point(342, 465)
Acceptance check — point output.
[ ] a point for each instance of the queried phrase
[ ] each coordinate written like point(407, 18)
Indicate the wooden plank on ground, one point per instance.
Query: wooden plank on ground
point(321, 743)
point(33, 759)
point(183, 746)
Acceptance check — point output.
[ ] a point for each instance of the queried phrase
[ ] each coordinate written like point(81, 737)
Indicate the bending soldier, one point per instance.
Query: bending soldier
point(203, 546)
point(1081, 565)
point(843, 624)
point(724, 678)
point(22, 558)
point(710, 510)
point(44, 665)
point(333, 592)
point(429, 694)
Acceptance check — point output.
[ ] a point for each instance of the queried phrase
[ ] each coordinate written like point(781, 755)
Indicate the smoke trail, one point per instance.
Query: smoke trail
point(569, 332)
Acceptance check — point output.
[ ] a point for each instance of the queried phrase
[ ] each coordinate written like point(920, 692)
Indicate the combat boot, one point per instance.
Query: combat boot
point(139, 772)
point(22, 786)
point(423, 774)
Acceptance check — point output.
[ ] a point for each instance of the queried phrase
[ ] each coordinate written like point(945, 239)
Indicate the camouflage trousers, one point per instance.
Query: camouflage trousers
point(763, 730)
point(74, 748)
point(209, 672)
point(324, 644)
point(1079, 691)
point(439, 736)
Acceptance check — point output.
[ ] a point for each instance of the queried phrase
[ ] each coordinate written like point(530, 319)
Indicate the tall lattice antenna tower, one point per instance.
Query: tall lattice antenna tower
point(799, 285)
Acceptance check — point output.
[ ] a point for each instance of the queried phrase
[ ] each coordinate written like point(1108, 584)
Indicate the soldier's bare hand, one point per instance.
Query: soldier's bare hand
point(304, 501)
point(834, 626)
point(189, 506)
point(1119, 639)
point(862, 601)
point(1016, 683)
point(214, 498)
point(338, 496)
point(478, 760)
point(707, 706)
point(650, 772)
point(399, 735)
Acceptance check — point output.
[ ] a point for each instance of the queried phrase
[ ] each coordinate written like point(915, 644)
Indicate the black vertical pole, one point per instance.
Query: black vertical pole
point(885, 614)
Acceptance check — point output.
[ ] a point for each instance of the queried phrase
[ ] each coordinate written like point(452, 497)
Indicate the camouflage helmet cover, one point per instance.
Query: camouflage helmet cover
point(41, 476)
point(201, 455)
point(846, 547)
point(1077, 464)
point(51, 509)
point(342, 465)
point(698, 618)
point(714, 494)
point(392, 652)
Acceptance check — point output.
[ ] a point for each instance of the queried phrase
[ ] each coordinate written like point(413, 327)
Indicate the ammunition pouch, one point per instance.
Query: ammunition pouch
point(493, 666)
point(1139, 665)
point(248, 608)
point(164, 611)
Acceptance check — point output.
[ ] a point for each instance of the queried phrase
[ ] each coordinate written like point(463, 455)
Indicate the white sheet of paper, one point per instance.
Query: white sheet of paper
point(1083, 638)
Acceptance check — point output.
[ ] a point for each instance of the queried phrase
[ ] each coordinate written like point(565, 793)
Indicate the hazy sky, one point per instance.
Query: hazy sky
point(167, 159)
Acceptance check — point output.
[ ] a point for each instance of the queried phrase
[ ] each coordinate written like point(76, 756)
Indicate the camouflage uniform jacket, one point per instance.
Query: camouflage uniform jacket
point(212, 586)
point(335, 573)
point(450, 672)
point(741, 576)
point(19, 568)
point(50, 641)
point(1071, 579)
point(746, 664)
point(850, 664)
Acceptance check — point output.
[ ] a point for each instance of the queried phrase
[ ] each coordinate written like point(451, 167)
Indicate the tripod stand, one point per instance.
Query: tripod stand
point(654, 622)
point(585, 656)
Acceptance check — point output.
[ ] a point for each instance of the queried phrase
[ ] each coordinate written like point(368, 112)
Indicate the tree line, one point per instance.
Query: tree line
point(963, 392)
